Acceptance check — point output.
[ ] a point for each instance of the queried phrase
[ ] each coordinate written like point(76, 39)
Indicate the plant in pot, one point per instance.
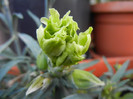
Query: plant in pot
point(60, 42)
point(56, 76)
point(113, 28)
point(52, 75)
point(59, 76)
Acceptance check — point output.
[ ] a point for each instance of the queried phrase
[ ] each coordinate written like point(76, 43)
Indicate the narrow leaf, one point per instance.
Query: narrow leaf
point(18, 15)
point(3, 18)
point(5, 45)
point(78, 96)
point(119, 74)
point(8, 53)
point(122, 83)
point(31, 44)
point(108, 65)
point(37, 84)
point(125, 88)
point(129, 72)
point(35, 18)
point(86, 65)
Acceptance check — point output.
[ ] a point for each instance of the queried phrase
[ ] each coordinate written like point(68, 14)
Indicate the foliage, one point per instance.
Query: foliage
point(11, 54)
point(115, 84)
point(60, 42)
point(44, 73)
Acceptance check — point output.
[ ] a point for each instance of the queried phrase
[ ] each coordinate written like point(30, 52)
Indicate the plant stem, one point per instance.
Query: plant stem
point(17, 46)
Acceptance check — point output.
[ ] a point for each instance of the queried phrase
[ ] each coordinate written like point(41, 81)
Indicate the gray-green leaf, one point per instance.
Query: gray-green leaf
point(5, 45)
point(35, 18)
point(119, 74)
point(78, 96)
point(108, 66)
point(86, 65)
point(31, 43)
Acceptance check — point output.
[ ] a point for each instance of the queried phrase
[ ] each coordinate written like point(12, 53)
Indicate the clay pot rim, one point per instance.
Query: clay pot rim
point(113, 7)
point(97, 56)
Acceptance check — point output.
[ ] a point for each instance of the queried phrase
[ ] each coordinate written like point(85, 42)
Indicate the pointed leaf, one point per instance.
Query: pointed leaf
point(84, 80)
point(5, 45)
point(31, 43)
point(78, 96)
point(86, 65)
point(125, 88)
point(35, 18)
point(3, 18)
point(120, 73)
point(37, 84)
point(108, 65)
point(8, 53)
point(18, 15)
point(123, 83)
point(129, 72)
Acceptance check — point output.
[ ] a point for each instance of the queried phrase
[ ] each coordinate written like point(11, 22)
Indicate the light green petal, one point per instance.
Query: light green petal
point(69, 57)
point(84, 40)
point(53, 47)
point(44, 20)
point(60, 60)
point(53, 23)
point(40, 34)
point(55, 16)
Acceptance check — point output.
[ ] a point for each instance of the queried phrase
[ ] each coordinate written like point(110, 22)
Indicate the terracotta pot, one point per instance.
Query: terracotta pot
point(100, 68)
point(113, 28)
point(14, 71)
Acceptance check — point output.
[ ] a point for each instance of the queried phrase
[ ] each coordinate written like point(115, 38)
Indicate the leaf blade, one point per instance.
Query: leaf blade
point(119, 74)
point(31, 44)
point(108, 65)
point(34, 17)
point(78, 96)
point(5, 45)
point(86, 65)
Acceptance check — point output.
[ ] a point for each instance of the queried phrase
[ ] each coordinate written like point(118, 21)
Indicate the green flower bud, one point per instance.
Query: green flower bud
point(42, 61)
point(84, 80)
point(39, 83)
point(59, 39)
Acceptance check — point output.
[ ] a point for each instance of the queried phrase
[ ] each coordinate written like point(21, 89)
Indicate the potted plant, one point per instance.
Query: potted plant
point(113, 28)
point(55, 73)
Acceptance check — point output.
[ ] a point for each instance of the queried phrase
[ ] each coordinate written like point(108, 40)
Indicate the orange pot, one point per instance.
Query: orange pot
point(100, 68)
point(14, 71)
point(113, 28)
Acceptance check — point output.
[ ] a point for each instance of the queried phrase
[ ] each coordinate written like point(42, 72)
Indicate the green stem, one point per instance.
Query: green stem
point(17, 46)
